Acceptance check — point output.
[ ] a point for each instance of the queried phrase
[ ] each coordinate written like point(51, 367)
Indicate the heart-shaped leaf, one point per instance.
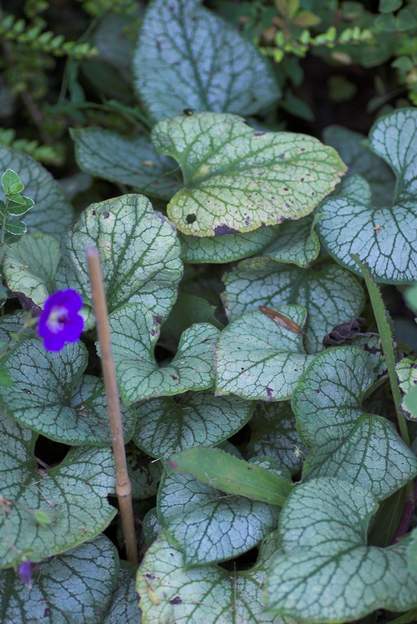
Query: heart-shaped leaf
point(237, 179)
point(171, 591)
point(207, 525)
point(258, 358)
point(124, 607)
point(30, 266)
point(384, 237)
point(51, 212)
point(168, 425)
point(345, 441)
point(330, 294)
point(139, 250)
point(226, 248)
point(326, 572)
point(130, 161)
point(71, 496)
point(51, 395)
point(273, 434)
point(295, 243)
point(135, 333)
point(188, 58)
point(361, 160)
point(91, 568)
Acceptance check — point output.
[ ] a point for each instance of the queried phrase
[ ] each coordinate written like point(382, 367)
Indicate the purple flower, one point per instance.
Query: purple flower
point(25, 571)
point(60, 321)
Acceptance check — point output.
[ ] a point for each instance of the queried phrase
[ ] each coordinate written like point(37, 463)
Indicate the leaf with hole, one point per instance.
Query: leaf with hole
point(344, 440)
point(188, 58)
point(237, 178)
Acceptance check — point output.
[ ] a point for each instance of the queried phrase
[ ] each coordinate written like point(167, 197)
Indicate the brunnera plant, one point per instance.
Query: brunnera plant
point(268, 408)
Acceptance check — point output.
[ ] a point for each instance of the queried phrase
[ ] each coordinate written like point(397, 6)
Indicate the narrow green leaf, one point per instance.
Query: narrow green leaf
point(383, 322)
point(229, 474)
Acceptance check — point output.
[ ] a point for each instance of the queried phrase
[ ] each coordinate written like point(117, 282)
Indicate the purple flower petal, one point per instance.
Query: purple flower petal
point(25, 571)
point(59, 322)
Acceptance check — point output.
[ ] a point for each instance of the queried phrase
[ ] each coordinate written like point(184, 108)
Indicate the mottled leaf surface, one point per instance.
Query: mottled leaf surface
point(131, 161)
point(330, 294)
point(188, 58)
point(273, 434)
point(257, 358)
point(139, 250)
point(168, 425)
point(326, 572)
point(295, 242)
point(345, 441)
point(51, 395)
point(135, 333)
point(91, 569)
point(51, 213)
point(30, 266)
point(171, 591)
point(237, 179)
point(361, 160)
point(209, 525)
point(228, 247)
point(351, 222)
point(124, 607)
point(72, 496)
point(407, 378)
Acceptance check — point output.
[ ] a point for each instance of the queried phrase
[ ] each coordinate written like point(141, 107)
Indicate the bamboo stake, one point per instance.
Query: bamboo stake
point(123, 485)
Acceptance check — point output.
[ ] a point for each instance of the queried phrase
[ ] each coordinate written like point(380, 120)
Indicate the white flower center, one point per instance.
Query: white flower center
point(56, 319)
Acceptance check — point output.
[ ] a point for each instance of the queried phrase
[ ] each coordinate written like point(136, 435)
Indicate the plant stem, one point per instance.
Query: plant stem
point(123, 485)
point(383, 323)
